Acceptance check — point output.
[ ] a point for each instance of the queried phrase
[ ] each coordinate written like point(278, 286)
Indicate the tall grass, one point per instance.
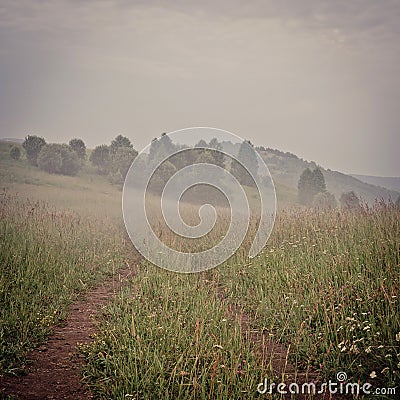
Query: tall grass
point(327, 284)
point(169, 337)
point(47, 258)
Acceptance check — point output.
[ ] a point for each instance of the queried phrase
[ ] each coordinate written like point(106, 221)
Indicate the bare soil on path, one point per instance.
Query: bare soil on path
point(55, 367)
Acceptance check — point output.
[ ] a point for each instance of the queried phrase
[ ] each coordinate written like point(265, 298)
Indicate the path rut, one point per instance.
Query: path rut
point(55, 367)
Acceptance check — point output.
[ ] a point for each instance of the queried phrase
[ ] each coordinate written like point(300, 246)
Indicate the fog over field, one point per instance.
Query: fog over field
point(316, 78)
point(199, 200)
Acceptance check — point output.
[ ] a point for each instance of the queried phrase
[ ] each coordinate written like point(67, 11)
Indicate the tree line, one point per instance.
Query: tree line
point(312, 192)
point(115, 159)
point(68, 159)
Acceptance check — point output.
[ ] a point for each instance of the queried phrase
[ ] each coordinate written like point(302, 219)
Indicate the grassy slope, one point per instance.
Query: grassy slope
point(87, 193)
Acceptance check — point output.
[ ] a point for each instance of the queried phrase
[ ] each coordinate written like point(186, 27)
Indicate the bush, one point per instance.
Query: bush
point(161, 176)
point(120, 142)
point(324, 200)
point(33, 145)
point(79, 147)
point(58, 159)
point(100, 158)
point(349, 201)
point(121, 160)
point(15, 153)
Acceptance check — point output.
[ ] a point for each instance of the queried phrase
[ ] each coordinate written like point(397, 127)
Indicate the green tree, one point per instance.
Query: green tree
point(205, 157)
point(120, 141)
point(213, 156)
point(318, 181)
point(247, 157)
point(78, 145)
point(153, 151)
point(349, 201)
point(324, 200)
point(15, 153)
point(121, 160)
point(160, 148)
point(58, 159)
point(201, 143)
point(305, 187)
point(166, 143)
point(160, 177)
point(217, 153)
point(310, 184)
point(32, 145)
point(101, 159)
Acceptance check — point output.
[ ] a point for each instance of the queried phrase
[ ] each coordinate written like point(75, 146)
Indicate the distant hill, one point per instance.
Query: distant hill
point(286, 169)
point(391, 183)
point(12, 140)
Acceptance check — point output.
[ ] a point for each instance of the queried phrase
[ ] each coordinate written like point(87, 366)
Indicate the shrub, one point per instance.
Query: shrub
point(58, 159)
point(349, 201)
point(100, 158)
point(79, 147)
point(15, 153)
point(121, 160)
point(324, 200)
point(33, 145)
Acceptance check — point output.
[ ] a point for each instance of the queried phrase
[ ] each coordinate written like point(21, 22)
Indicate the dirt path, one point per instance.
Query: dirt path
point(272, 355)
point(274, 359)
point(55, 366)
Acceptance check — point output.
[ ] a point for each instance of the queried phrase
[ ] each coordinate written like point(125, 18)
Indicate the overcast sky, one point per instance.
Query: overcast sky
point(320, 79)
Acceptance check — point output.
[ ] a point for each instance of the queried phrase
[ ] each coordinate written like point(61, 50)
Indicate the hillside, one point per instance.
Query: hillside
point(12, 140)
point(285, 169)
point(86, 193)
point(388, 182)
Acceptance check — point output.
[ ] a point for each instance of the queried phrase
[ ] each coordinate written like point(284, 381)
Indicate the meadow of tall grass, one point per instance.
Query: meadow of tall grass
point(326, 286)
point(48, 256)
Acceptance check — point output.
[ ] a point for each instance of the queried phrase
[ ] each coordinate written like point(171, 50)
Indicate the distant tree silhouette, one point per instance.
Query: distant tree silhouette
point(324, 200)
point(121, 160)
point(305, 187)
point(318, 181)
point(15, 153)
point(310, 184)
point(248, 157)
point(349, 201)
point(160, 177)
point(58, 159)
point(32, 145)
point(160, 148)
point(217, 153)
point(201, 143)
point(78, 145)
point(101, 158)
point(212, 156)
point(120, 141)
